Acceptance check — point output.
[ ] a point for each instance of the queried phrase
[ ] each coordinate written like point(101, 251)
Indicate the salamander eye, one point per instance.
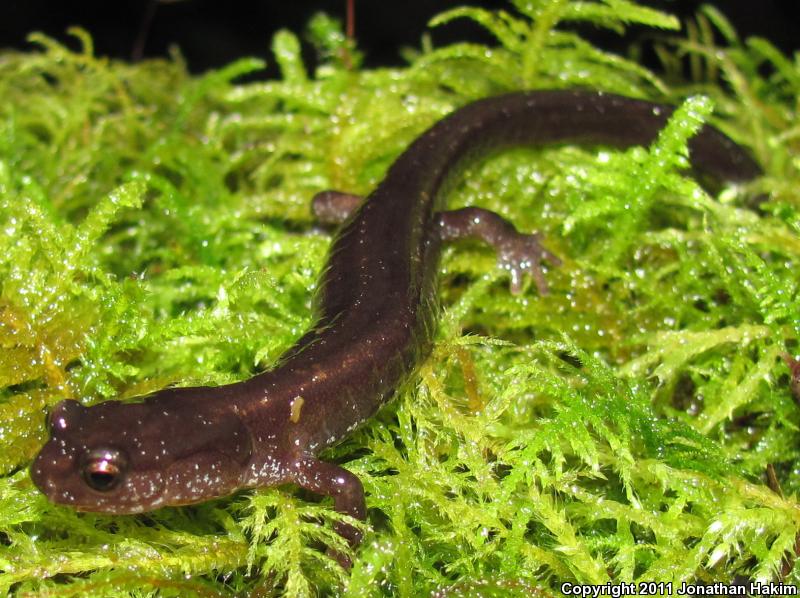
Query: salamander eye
point(103, 469)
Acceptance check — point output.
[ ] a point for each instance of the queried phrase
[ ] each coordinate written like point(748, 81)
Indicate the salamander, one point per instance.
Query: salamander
point(375, 321)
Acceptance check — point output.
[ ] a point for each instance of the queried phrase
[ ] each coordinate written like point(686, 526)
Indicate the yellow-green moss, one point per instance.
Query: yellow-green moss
point(154, 230)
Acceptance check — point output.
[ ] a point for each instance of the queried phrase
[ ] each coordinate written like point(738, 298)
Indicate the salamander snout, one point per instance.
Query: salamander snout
point(87, 462)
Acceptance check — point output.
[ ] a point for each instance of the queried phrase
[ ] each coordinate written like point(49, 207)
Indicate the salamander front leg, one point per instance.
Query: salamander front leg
point(516, 252)
point(345, 489)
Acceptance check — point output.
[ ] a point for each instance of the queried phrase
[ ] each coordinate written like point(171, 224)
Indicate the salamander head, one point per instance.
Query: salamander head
point(133, 457)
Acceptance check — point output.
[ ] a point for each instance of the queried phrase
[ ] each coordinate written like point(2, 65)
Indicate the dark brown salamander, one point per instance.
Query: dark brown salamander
point(377, 314)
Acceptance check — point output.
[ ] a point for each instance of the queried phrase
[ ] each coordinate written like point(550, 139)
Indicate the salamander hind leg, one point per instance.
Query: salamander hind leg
point(333, 207)
point(345, 489)
point(516, 252)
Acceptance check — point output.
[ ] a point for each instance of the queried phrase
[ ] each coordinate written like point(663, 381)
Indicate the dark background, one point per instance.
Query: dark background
point(211, 33)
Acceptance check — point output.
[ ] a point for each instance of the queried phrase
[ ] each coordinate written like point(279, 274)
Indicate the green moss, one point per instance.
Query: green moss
point(154, 230)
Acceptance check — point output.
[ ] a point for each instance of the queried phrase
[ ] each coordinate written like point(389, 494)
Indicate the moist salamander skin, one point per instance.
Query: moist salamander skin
point(376, 317)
